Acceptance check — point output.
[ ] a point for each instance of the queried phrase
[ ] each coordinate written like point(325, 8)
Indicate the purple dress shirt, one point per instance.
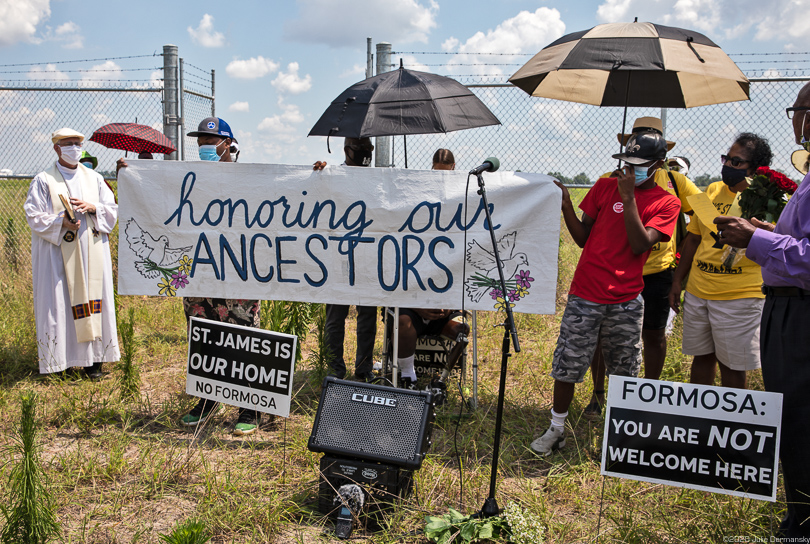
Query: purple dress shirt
point(784, 254)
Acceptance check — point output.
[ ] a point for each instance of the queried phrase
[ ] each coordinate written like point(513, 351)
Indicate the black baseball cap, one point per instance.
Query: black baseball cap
point(214, 126)
point(643, 147)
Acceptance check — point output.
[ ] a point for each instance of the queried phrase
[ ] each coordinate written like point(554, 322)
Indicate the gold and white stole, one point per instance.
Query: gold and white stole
point(85, 292)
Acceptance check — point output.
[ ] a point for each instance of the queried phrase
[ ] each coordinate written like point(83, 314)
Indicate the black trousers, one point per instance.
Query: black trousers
point(785, 348)
point(335, 331)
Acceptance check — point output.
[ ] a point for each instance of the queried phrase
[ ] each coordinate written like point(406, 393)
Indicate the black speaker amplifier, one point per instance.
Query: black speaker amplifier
point(373, 423)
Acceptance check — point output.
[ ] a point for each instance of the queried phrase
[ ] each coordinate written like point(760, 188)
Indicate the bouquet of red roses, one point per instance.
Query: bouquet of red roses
point(766, 196)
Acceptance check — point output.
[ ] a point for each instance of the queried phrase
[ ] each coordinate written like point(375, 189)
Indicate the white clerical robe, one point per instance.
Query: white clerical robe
point(56, 333)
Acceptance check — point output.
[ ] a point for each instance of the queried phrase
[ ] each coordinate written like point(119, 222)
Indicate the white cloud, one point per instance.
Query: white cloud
point(412, 63)
point(526, 32)
point(450, 44)
point(613, 10)
point(283, 126)
point(332, 23)
point(205, 35)
point(251, 68)
point(70, 35)
point(100, 74)
point(19, 20)
point(49, 73)
point(239, 106)
point(101, 119)
point(355, 71)
point(719, 19)
point(289, 82)
point(24, 117)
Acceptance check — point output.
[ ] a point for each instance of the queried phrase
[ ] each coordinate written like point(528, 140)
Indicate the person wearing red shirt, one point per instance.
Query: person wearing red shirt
point(622, 219)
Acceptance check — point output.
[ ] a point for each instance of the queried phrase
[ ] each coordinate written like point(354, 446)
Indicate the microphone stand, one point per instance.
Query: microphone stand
point(490, 508)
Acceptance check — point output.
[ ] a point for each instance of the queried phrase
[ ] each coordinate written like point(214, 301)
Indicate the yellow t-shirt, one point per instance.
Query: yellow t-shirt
point(708, 278)
point(662, 254)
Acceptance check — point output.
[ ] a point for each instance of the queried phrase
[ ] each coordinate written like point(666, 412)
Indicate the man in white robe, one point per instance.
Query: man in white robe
point(74, 304)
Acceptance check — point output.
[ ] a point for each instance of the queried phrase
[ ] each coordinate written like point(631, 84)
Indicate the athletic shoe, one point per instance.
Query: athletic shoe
point(552, 440)
point(407, 383)
point(200, 412)
point(247, 423)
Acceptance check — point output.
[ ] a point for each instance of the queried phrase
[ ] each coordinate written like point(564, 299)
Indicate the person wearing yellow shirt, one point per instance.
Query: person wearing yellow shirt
point(722, 306)
point(658, 273)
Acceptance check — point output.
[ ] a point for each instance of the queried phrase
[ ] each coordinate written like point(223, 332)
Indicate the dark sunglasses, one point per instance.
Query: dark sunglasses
point(791, 111)
point(735, 161)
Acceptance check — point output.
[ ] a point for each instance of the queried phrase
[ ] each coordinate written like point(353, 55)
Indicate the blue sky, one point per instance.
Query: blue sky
point(279, 64)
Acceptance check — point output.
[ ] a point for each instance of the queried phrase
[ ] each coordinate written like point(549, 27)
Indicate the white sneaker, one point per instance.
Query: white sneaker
point(553, 439)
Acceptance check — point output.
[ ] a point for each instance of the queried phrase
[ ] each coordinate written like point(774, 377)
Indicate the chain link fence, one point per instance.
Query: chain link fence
point(576, 141)
point(30, 110)
point(197, 103)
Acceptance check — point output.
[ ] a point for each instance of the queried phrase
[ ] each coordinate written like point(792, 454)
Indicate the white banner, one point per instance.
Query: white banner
point(346, 235)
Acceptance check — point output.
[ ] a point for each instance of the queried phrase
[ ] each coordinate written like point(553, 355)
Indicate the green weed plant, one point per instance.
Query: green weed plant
point(129, 377)
point(29, 506)
point(191, 532)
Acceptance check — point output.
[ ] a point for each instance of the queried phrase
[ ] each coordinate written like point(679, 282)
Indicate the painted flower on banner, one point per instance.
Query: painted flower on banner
point(500, 304)
point(484, 276)
point(158, 260)
point(165, 288)
point(185, 264)
point(179, 280)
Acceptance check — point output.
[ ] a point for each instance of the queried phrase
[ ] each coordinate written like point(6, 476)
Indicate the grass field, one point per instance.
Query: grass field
point(125, 471)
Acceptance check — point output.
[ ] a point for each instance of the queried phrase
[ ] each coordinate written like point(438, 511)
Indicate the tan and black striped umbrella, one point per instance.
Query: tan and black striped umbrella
point(634, 64)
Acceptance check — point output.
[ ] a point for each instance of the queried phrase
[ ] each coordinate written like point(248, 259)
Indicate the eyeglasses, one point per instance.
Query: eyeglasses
point(60, 144)
point(791, 111)
point(735, 161)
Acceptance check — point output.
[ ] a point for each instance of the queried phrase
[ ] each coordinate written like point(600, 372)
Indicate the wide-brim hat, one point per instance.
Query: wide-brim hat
point(800, 159)
point(643, 147)
point(646, 123)
point(66, 132)
point(89, 157)
point(214, 126)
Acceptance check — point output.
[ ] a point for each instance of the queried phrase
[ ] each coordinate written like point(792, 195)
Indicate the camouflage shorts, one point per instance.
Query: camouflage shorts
point(584, 323)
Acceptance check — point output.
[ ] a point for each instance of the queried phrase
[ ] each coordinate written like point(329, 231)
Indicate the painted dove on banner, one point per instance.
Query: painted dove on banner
point(483, 261)
point(151, 249)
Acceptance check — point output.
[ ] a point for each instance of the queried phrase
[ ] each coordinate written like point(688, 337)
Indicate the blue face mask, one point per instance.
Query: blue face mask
point(209, 153)
point(641, 174)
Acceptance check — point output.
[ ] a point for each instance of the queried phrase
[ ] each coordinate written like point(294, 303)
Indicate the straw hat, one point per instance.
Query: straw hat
point(800, 159)
point(646, 123)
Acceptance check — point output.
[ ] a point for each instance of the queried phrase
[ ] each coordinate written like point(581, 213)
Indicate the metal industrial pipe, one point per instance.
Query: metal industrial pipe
point(170, 101)
point(382, 144)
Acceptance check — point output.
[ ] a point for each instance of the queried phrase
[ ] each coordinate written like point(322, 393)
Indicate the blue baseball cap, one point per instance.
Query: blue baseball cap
point(214, 126)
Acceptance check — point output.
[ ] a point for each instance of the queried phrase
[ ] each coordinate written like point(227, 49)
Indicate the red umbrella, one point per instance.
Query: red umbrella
point(132, 137)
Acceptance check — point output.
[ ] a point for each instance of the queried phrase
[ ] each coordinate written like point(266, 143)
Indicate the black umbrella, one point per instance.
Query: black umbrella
point(403, 102)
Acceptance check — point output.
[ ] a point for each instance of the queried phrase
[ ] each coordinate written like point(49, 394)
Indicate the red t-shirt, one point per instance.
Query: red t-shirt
point(608, 272)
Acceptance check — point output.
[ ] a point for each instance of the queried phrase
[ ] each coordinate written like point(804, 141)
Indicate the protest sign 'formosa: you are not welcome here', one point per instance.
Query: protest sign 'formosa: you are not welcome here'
point(715, 439)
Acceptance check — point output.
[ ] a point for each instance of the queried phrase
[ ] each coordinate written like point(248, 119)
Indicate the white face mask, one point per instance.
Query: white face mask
point(71, 154)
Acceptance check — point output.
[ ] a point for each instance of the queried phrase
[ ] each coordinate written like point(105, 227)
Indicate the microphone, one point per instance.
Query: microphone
point(490, 165)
